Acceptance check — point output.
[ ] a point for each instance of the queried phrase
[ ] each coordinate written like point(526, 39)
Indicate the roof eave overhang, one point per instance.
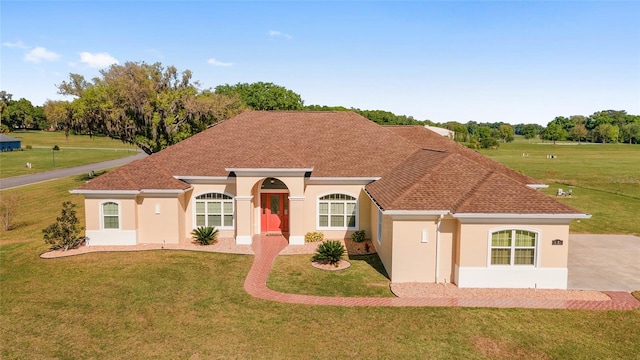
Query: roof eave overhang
point(205, 179)
point(477, 218)
point(164, 192)
point(128, 193)
point(270, 172)
point(415, 214)
point(340, 180)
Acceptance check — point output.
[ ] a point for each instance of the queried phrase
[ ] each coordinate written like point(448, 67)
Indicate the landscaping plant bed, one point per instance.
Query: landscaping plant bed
point(323, 265)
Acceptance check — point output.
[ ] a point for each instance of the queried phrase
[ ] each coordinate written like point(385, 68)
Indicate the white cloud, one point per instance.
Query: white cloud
point(18, 44)
point(215, 62)
point(40, 54)
point(275, 33)
point(97, 60)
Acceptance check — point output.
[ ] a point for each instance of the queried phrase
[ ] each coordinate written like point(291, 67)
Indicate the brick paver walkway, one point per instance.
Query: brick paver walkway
point(266, 251)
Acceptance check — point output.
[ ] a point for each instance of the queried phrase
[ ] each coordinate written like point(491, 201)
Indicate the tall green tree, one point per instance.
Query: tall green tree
point(263, 96)
point(59, 115)
point(579, 132)
point(566, 123)
point(631, 132)
point(506, 133)
point(147, 105)
point(611, 117)
point(554, 132)
point(22, 114)
point(529, 131)
point(5, 97)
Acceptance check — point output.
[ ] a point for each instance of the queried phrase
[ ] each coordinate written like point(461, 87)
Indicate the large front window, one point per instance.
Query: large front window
point(214, 210)
point(337, 211)
point(513, 247)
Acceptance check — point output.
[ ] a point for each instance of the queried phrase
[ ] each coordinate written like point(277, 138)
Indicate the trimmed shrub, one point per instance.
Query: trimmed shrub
point(330, 251)
point(56, 147)
point(358, 236)
point(64, 233)
point(313, 236)
point(29, 147)
point(205, 235)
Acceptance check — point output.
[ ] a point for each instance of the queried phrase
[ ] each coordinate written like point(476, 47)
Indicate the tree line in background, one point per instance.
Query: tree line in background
point(152, 107)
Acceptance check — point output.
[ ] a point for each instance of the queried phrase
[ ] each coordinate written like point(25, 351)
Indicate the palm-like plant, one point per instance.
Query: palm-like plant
point(205, 235)
point(330, 251)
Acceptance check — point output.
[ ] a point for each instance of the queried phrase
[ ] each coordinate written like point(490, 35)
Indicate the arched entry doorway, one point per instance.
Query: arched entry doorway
point(274, 207)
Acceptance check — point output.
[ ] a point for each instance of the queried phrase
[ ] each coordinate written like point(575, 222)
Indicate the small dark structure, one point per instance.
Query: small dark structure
point(8, 143)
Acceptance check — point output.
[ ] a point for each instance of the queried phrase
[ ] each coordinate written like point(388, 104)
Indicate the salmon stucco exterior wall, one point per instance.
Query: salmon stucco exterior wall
point(473, 268)
point(127, 231)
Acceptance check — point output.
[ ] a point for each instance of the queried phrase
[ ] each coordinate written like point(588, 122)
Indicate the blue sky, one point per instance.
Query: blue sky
point(484, 61)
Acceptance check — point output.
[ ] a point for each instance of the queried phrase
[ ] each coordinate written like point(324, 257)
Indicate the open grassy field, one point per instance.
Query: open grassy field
point(74, 151)
point(50, 138)
point(13, 163)
point(175, 304)
point(605, 179)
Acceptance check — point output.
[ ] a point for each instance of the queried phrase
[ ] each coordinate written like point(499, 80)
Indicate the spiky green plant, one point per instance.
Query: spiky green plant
point(205, 235)
point(330, 251)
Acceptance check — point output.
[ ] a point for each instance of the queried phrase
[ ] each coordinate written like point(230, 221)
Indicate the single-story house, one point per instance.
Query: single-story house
point(8, 143)
point(434, 210)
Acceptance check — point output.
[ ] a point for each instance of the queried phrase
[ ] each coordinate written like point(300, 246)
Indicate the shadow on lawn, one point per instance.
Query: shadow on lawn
point(373, 260)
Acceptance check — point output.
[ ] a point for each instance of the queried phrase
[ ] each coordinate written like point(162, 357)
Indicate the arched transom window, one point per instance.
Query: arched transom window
point(513, 247)
point(337, 211)
point(214, 209)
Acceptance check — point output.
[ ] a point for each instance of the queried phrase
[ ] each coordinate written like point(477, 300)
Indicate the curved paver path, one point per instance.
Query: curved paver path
point(266, 251)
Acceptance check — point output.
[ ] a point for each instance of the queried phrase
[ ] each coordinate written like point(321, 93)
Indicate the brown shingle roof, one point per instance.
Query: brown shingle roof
point(333, 143)
point(137, 175)
point(419, 170)
point(428, 139)
point(431, 180)
point(501, 194)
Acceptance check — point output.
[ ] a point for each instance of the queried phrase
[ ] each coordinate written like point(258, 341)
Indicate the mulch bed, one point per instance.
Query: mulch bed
point(359, 248)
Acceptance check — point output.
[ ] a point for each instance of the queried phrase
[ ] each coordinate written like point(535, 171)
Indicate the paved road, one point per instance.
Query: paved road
point(16, 181)
point(604, 262)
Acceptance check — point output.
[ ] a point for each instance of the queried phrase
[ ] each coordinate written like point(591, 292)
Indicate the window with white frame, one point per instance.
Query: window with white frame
point(110, 215)
point(337, 211)
point(215, 210)
point(513, 247)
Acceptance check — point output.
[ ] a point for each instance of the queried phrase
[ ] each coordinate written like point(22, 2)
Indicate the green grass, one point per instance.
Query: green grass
point(13, 163)
point(39, 206)
point(365, 277)
point(178, 304)
point(49, 139)
point(173, 304)
point(605, 179)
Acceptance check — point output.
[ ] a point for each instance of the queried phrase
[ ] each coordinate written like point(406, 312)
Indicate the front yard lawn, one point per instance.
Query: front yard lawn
point(365, 277)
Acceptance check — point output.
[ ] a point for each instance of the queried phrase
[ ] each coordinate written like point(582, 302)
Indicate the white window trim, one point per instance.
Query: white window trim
point(102, 215)
point(329, 227)
point(233, 211)
point(536, 260)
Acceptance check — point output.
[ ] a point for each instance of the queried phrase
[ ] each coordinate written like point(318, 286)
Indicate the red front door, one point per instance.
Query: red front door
point(274, 210)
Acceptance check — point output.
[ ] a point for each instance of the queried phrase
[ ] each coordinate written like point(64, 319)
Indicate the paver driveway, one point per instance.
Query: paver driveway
point(604, 262)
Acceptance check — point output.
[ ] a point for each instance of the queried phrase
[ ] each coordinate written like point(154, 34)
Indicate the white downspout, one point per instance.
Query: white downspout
point(438, 248)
